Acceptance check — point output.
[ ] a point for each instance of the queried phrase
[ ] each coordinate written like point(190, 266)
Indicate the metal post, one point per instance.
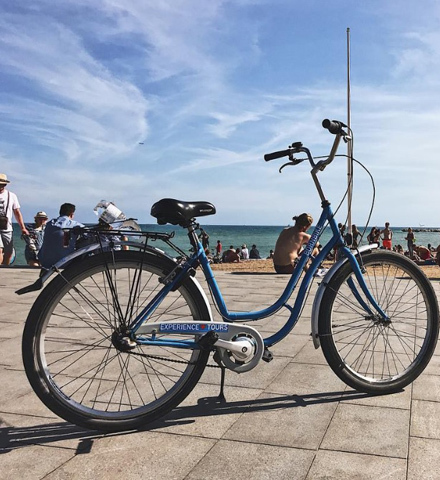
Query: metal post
point(349, 150)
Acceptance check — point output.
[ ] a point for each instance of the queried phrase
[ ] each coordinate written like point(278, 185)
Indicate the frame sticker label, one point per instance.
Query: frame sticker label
point(193, 327)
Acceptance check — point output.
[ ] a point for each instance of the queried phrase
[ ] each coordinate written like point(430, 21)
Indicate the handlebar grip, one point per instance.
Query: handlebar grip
point(333, 126)
point(274, 155)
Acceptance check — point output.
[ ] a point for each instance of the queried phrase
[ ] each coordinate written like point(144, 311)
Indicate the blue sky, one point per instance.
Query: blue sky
point(208, 88)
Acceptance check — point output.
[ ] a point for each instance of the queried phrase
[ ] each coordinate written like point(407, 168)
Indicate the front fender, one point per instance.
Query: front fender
point(321, 289)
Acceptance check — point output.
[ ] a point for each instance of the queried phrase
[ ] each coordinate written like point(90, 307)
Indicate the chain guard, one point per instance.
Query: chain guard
point(225, 331)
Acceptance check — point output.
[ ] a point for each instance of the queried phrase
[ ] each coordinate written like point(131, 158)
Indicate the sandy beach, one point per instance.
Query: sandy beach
point(266, 266)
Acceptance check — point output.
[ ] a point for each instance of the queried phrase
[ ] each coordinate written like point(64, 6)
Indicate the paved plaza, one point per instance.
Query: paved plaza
point(291, 418)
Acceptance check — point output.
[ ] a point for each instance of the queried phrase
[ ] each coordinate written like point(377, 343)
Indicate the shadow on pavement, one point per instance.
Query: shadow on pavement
point(12, 438)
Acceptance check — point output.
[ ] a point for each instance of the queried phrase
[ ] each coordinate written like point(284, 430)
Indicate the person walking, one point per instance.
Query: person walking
point(9, 206)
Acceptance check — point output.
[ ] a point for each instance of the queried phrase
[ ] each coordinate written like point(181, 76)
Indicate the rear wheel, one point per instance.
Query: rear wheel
point(76, 356)
point(369, 353)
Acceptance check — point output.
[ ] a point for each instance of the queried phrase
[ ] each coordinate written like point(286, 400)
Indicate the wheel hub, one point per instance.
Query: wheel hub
point(122, 342)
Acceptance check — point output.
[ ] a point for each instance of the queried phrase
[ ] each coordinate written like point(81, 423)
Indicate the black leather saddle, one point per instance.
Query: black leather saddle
point(178, 212)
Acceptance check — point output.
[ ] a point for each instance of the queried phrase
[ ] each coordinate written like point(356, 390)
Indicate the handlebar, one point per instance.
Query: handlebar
point(279, 154)
point(334, 126)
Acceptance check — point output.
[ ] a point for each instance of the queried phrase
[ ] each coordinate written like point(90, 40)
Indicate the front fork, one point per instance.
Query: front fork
point(348, 257)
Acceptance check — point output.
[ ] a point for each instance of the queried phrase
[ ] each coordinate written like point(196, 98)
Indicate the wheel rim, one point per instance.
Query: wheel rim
point(369, 347)
point(79, 361)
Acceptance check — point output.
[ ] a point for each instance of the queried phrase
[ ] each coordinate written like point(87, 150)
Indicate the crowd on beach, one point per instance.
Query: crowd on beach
point(421, 254)
point(230, 255)
point(292, 240)
point(46, 241)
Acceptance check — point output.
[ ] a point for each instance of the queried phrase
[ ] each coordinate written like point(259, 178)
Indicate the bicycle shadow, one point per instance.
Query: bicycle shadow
point(214, 406)
point(12, 438)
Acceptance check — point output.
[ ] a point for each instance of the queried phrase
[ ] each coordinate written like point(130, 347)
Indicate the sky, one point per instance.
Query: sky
point(132, 101)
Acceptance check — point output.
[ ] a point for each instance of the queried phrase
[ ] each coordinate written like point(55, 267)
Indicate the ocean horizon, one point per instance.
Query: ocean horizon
point(263, 236)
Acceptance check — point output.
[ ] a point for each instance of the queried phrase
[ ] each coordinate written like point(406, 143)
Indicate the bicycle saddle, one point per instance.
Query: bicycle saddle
point(178, 212)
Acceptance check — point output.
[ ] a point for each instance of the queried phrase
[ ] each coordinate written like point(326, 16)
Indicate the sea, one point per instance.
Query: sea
point(263, 236)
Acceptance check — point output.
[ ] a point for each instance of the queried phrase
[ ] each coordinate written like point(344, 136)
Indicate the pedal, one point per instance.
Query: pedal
point(207, 341)
point(267, 355)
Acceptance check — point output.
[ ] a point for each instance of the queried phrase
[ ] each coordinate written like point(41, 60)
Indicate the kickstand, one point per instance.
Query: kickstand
point(221, 396)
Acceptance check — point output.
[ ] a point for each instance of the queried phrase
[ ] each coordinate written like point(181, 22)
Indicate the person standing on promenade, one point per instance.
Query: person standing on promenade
point(9, 206)
point(355, 233)
point(35, 239)
point(410, 239)
point(57, 244)
point(387, 236)
point(204, 239)
point(290, 242)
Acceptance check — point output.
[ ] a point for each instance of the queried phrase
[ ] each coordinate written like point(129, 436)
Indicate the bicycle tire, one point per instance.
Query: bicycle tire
point(367, 353)
point(72, 363)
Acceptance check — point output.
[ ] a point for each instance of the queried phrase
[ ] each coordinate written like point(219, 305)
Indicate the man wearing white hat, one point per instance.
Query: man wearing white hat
point(9, 206)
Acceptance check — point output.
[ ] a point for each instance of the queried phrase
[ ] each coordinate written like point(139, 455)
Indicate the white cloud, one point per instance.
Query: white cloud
point(91, 112)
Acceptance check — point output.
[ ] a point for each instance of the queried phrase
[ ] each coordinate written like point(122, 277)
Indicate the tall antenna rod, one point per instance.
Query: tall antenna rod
point(349, 149)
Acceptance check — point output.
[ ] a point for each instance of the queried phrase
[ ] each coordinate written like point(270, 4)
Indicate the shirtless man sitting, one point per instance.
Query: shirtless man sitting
point(290, 243)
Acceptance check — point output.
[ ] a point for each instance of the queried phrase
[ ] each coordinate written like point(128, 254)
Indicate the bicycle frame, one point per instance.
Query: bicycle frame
point(199, 257)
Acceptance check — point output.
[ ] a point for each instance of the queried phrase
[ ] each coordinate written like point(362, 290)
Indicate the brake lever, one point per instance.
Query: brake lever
point(292, 161)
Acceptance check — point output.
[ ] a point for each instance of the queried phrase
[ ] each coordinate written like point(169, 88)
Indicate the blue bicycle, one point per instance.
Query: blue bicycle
point(119, 338)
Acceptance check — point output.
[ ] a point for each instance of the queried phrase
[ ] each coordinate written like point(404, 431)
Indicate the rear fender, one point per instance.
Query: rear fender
point(77, 255)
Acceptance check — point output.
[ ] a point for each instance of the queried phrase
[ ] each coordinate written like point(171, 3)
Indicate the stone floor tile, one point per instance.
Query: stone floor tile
point(311, 355)
point(146, 455)
point(300, 379)
point(425, 419)
point(433, 367)
point(350, 466)
point(427, 387)
point(424, 459)
point(292, 345)
point(283, 420)
point(231, 460)
point(368, 430)
point(33, 462)
point(14, 385)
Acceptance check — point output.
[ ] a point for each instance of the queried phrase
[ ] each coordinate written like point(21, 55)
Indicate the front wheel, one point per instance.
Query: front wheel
point(78, 362)
point(369, 353)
